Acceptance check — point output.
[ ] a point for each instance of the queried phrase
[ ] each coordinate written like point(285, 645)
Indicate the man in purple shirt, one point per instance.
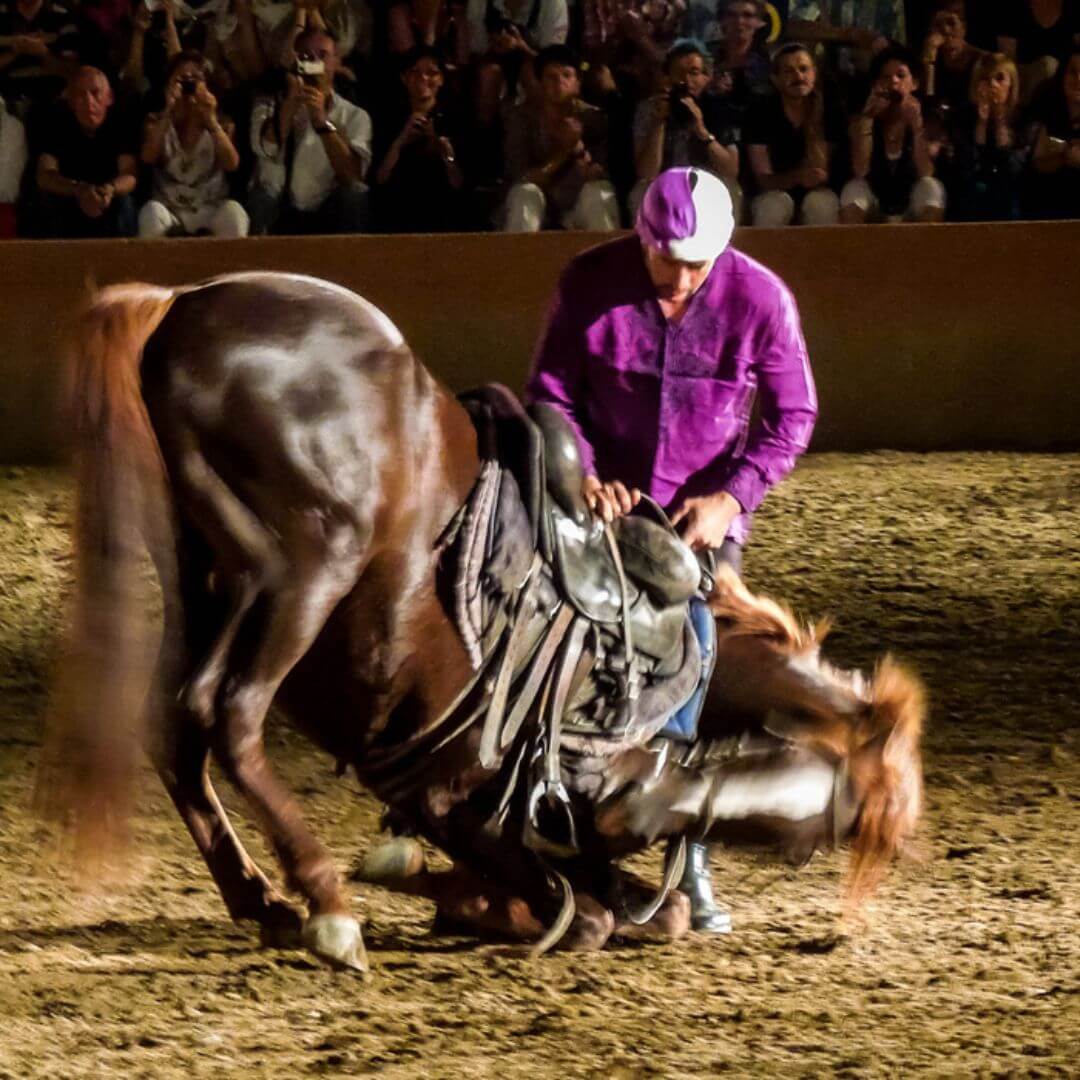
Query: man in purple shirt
point(655, 349)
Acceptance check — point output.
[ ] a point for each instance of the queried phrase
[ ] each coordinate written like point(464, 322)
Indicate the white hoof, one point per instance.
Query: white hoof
point(337, 940)
point(391, 862)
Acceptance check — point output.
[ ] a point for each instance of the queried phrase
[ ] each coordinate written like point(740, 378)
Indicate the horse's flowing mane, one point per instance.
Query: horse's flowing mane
point(878, 738)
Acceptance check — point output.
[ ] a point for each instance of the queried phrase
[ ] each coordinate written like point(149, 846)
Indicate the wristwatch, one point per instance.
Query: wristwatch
point(326, 129)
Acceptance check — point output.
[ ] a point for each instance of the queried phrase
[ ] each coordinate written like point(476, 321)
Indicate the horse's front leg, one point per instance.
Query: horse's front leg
point(271, 641)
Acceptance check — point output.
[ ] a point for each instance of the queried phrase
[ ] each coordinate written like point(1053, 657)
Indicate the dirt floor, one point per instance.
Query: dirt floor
point(968, 962)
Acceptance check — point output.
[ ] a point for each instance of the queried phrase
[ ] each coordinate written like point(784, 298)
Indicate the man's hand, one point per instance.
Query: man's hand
point(314, 101)
point(90, 201)
point(608, 501)
point(707, 519)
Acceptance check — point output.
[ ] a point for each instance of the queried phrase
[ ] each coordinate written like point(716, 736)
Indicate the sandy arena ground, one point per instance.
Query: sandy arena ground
point(969, 962)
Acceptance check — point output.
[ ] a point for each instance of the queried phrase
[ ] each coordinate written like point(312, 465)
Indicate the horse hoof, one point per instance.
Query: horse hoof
point(337, 940)
point(283, 929)
point(396, 859)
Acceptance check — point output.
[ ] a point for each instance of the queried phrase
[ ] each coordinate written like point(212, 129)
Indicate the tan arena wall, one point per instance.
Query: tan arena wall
point(921, 337)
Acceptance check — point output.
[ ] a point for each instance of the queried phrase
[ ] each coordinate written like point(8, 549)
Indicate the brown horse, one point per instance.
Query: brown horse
point(291, 468)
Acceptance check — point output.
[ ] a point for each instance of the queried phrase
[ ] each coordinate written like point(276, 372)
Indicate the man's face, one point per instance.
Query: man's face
point(795, 75)
point(741, 22)
point(559, 83)
point(90, 97)
point(674, 280)
point(691, 72)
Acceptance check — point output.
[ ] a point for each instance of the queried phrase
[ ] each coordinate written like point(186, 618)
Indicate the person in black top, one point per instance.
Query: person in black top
point(87, 165)
point(986, 149)
point(418, 179)
point(39, 51)
point(890, 157)
point(1039, 35)
point(790, 139)
point(1055, 187)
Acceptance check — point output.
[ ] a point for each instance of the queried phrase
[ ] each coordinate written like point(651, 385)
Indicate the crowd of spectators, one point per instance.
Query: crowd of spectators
point(178, 117)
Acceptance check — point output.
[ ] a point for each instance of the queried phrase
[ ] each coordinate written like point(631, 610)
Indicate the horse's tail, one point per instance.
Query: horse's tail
point(891, 776)
point(97, 711)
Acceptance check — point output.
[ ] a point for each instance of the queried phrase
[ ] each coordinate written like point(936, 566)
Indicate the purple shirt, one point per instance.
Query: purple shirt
point(665, 407)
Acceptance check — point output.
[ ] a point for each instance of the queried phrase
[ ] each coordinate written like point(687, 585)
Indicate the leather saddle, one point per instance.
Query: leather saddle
point(650, 575)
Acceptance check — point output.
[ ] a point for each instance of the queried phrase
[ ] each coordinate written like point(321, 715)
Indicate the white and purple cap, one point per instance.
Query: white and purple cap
point(687, 215)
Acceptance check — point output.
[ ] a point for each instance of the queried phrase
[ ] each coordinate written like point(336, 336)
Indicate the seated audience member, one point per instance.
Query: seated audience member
point(418, 181)
point(439, 24)
point(191, 147)
point(1038, 35)
point(683, 126)
point(948, 58)
point(1055, 183)
point(890, 156)
point(39, 51)
point(986, 150)
point(790, 138)
point(741, 70)
point(506, 36)
point(86, 169)
point(12, 166)
point(556, 155)
point(312, 150)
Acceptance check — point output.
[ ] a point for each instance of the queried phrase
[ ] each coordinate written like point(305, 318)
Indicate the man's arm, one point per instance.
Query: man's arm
point(788, 408)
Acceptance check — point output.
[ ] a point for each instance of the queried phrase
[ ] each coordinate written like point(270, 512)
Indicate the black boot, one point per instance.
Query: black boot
point(705, 916)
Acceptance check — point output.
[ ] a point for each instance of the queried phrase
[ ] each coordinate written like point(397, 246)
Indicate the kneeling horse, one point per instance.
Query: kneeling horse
point(335, 535)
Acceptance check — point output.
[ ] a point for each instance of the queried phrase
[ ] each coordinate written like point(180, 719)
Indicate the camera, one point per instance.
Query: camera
point(188, 87)
point(309, 72)
point(679, 112)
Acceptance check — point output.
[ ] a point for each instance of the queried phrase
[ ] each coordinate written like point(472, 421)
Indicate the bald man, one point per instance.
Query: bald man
point(86, 170)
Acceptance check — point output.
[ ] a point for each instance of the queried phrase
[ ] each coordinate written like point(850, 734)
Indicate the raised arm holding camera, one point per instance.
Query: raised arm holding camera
point(191, 147)
point(682, 126)
point(313, 149)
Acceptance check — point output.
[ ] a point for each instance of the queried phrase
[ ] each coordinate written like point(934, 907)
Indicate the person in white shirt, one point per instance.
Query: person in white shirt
point(12, 165)
point(312, 150)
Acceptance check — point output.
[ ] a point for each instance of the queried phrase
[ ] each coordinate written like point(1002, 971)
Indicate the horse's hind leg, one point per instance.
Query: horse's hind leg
point(180, 751)
point(275, 635)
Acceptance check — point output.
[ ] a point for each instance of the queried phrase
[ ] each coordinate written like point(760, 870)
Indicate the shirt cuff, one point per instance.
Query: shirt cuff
point(747, 487)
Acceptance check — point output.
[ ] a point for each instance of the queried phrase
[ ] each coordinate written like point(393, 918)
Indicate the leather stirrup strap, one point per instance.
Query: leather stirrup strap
point(493, 720)
point(537, 670)
point(674, 864)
